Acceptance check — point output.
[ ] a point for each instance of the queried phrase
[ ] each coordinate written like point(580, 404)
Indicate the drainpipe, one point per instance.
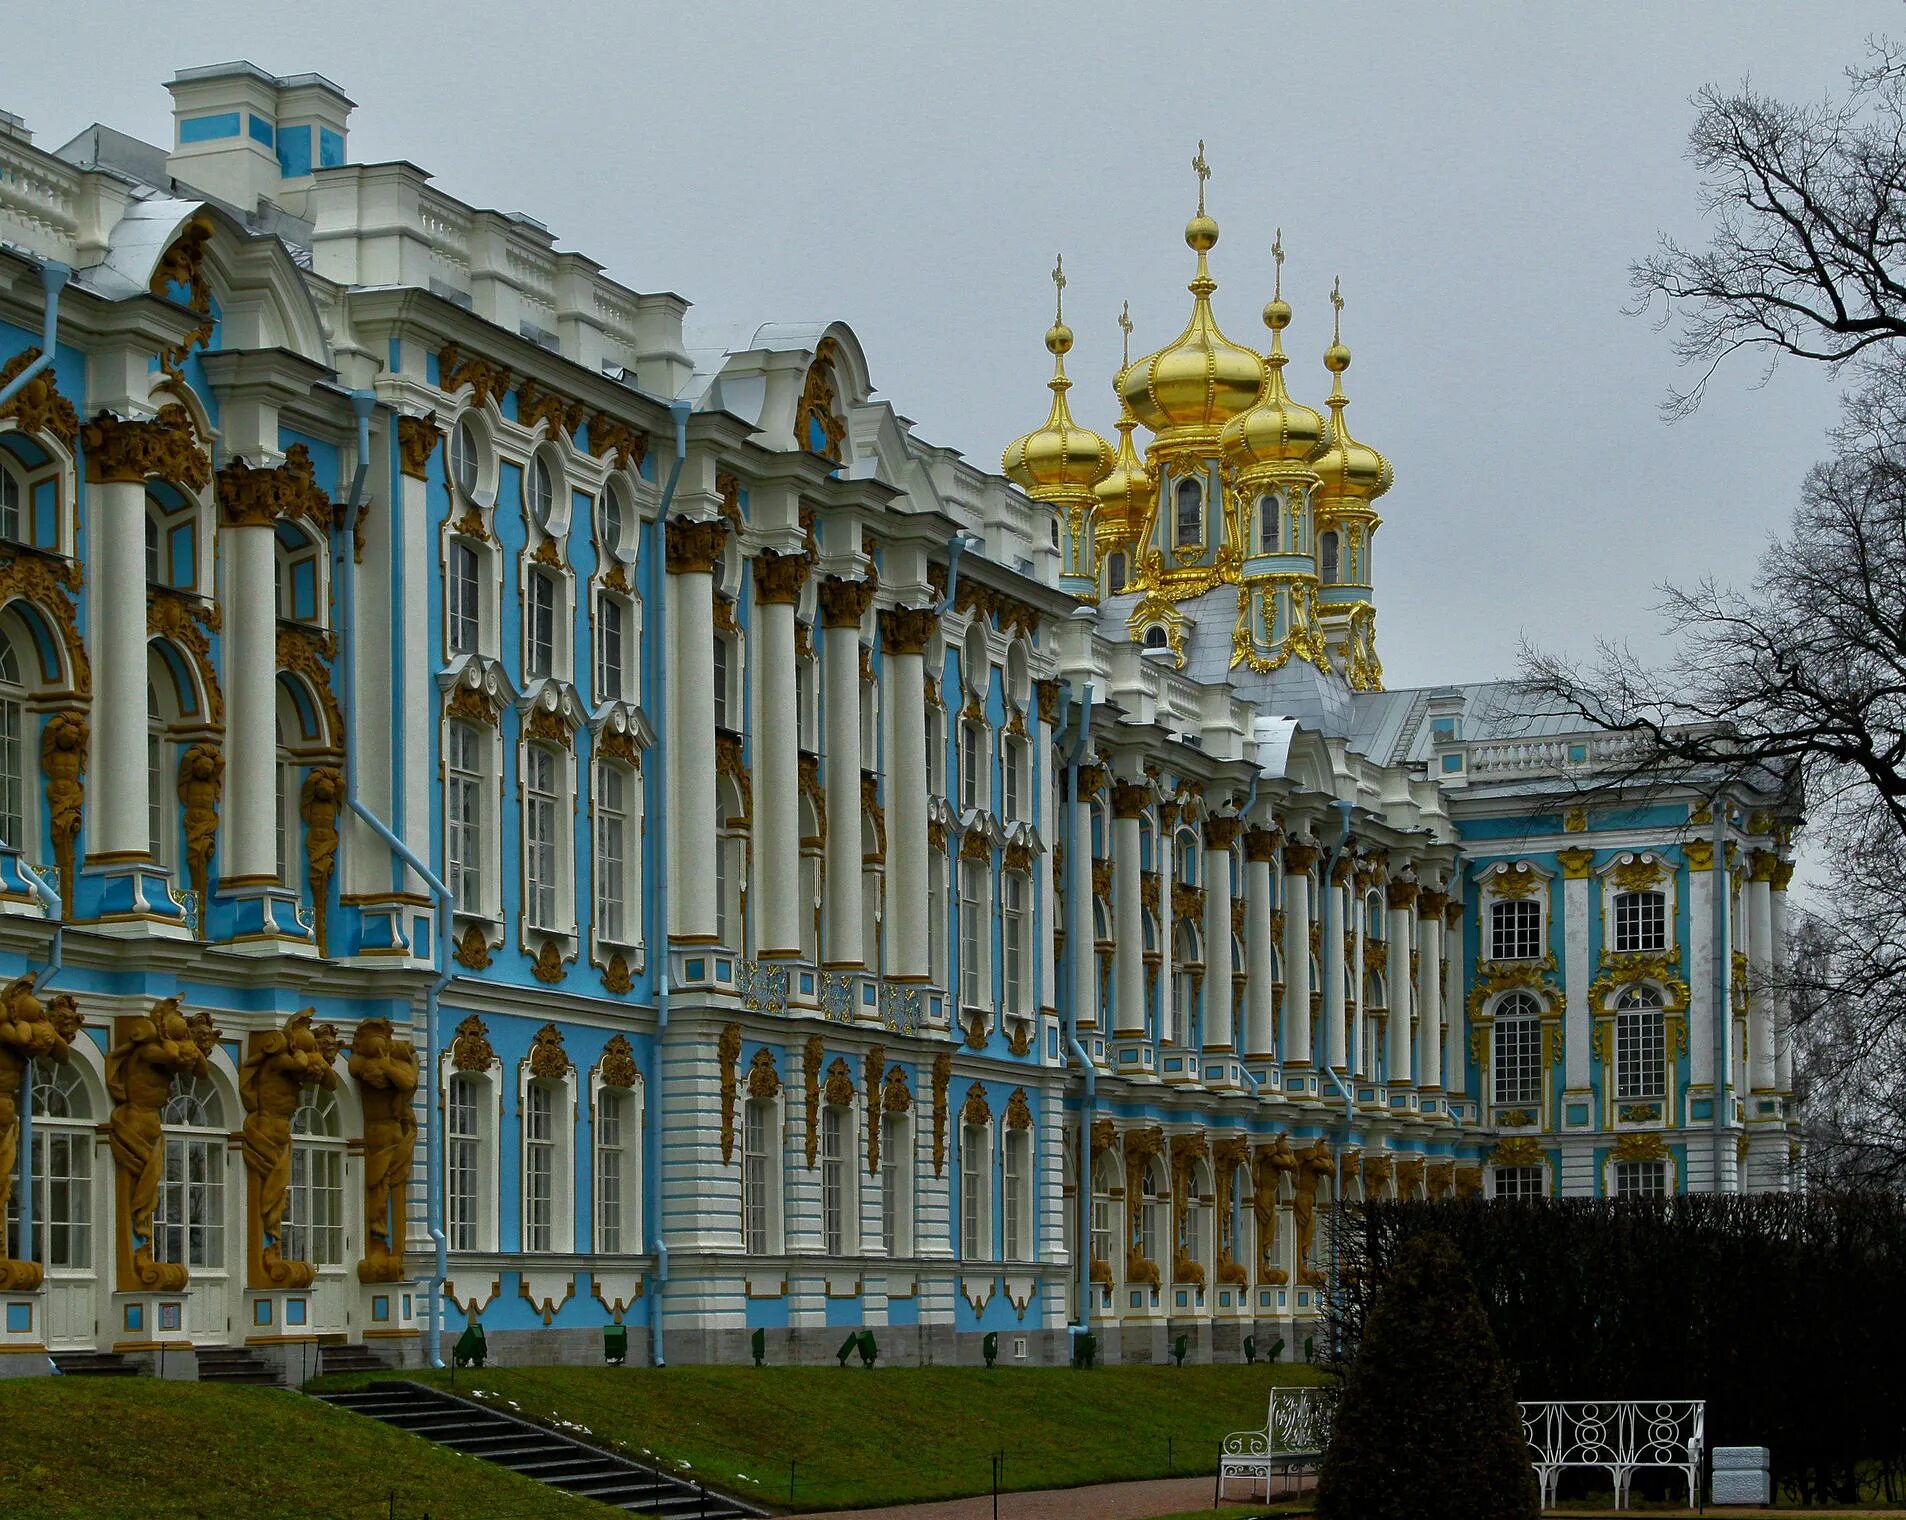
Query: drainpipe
point(344, 577)
point(657, 697)
point(957, 545)
point(55, 957)
point(53, 278)
point(1331, 930)
point(1723, 990)
point(1078, 941)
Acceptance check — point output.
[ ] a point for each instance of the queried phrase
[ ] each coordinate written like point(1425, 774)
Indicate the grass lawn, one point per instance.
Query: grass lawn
point(108, 1448)
point(887, 1436)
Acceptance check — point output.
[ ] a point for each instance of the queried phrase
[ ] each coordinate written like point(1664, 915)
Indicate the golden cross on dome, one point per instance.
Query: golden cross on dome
point(1277, 253)
point(1125, 326)
point(1203, 171)
point(1058, 286)
point(1336, 300)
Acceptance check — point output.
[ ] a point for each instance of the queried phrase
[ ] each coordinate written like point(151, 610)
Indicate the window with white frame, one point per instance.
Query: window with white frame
point(1518, 1182)
point(541, 1101)
point(724, 681)
point(542, 842)
point(159, 811)
point(975, 1206)
point(464, 602)
point(462, 455)
point(62, 1164)
point(14, 789)
point(617, 1136)
point(1641, 922)
point(836, 1163)
point(1641, 1179)
point(1016, 1204)
point(1104, 1184)
point(188, 1223)
point(936, 751)
point(314, 1208)
point(1015, 940)
point(1154, 1217)
point(1515, 929)
point(539, 492)
point(612, 620)
point(804, 707)
point(1640, 1045)
point(896, 1184)
point(618, 889)
point(973, 979)
point(760, 1149)
point(1013, 769)
point(1517, 1057)
point(463, 815)
point(12, 497)
point(539, 625)
point(463, 1161)
point(973, 766)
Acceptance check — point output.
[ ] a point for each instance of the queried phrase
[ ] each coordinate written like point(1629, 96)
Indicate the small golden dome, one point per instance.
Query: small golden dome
point(1125, 495)
point(1201, 379)
point(1060, 458)
point(1351, 472)
point(1277, 430)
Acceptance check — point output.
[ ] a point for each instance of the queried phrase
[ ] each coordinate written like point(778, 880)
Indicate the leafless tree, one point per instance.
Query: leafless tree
point(1804, 673)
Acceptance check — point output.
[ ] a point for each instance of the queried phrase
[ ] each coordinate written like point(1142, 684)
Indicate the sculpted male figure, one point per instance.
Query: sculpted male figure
point(29, 1031)
point(1314, 1162)
point(150, 1051)
point(1269, 1167)
point(281, 1064)
point(386, 1072)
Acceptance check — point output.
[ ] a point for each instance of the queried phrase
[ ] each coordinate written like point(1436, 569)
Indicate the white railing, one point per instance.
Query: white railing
point(1569, 752)
point(1620, 1436)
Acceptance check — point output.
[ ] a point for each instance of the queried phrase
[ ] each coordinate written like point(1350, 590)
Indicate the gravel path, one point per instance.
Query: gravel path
point(1102, 1501)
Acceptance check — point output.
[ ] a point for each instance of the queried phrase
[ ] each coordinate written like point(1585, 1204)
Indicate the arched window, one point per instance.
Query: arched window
point(463, 453)
point(618, 805)
point(837, 1165)
point(463, 600)
point(1515, 929)
point(1154, 1219)
point(1641, 922)
point(1016, 1206)
point(1187, 957)
point(1190, 500)
point(1198, 1215)
point(1185, 846)
point(463, 1161)
point(14, 790)
point(1327, 554)
point(188, 1226)
point(464, 818)
point(542, 840)
point(1640, 1045)
point(1115, 573)
point(760, 1165)
point(539, 492)
point(612, 523)
point(288, 774)
point(1015, 917)
point(1155, 637)
point(1104, 1184)
point(976, 1215)
point(618, 1139)
point(62, 1171)
point(1269, 509)
point(896, 1184)
point(1518, 1049)
point(314, 1214)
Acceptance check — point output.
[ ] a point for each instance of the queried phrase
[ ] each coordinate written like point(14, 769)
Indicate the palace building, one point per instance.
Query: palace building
point(674, 848)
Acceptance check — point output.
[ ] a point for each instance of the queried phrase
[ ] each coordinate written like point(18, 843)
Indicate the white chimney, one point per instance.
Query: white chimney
point(239, 133)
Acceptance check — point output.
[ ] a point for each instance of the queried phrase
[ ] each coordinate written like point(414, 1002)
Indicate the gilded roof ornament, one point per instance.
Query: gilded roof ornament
point(1060, 461)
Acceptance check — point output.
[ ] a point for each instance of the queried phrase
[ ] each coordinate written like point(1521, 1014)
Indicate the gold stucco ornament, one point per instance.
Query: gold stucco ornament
point(29, 1031)
point(150, 1052)
point(387, 1074)
point(279, 1065)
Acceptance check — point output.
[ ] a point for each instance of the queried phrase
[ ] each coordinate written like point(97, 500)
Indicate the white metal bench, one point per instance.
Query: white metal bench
point(1619, 1435)
point(1295, 1433)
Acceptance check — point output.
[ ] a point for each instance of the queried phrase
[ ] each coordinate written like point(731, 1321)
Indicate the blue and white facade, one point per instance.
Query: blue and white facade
point(816, 891)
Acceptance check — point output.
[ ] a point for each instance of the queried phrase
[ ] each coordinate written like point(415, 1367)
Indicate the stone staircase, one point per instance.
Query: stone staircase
point(350, 1358)
point(234, 1364)
point(93, 1364)
point(557, 1460)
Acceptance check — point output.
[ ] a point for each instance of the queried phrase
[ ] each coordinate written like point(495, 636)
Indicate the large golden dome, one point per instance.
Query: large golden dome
point(1201, 379)
point(1060, 458)
point(1277, 430)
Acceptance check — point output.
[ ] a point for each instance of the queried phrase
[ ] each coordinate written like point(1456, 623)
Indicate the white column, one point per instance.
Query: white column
point(250, 844)
point(1760, 944)
point(1699, 854)
point(1332, 1016)
point(1219, 1035)
point(1456, 1021)
point(1577, 1024)
point(904, 635)
point(693, 548)
point(1260, 849)
point(1298, 859)
point(843, 605)
point(777, 834)
point(1081, 949)
point(1396, 1044)
point(116, 793)
point(1429, 1012)
point(1783, 1032)
point(1128, 906)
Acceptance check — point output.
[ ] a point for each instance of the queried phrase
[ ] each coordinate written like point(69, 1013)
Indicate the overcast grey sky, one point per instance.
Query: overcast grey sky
point(1481, 175)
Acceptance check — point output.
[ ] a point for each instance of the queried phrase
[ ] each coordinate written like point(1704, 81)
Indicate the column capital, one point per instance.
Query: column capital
point(1430, 904)
point(1452, 913)
point(1047, 690)
point(907, 630)
point(127, 452)
point(251, 497)
point(1091, 778)
point(845, 603)
point(1575, 863)
point(1762, 865)
point(1221, 833)
point(778, 578)
point(1299, 858)
point(416, 441)
point(1129, 798)
point(1401, 894)
point(1699, 854)
point(1783, 875)
point(693, 547)
point(1261, 844)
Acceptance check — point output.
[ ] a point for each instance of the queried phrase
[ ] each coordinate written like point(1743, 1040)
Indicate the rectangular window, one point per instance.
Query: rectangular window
point(539, 1168)
point(1640, 1057)
point(463, 827)
point(896, 1176)
point(463, 598)
point(612, 844)
point(1641, 1179)
point(754, 1177)
point(936, 752)
point(1515, 930)
point(972, 1192)
point(539, 627)
point(12, 784)
point(833, 1181)
point(540, 843)
point(936, 918)
point(1013, 760)
point(609, 655)
point(461, 1165)
point(157, 835)
point(1015, 1222)
point(1101, 1224)
point(970, 791)
point(1518, 1061)
point(62, 1196)
point(611, 1109)
point(188, 1225)
point(314, 1213)
point(972, 932)
point(1518, 1182)
point(1013, 933)
point(721, 683)
point(1641, 922)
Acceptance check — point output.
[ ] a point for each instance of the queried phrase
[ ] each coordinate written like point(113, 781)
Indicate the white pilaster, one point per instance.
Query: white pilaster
point(1429, 1013)
point(843, 605)
point(1219, 1035)
point(1396, 1044)
point(777, 840)
point(904, 636)
point(693, 548)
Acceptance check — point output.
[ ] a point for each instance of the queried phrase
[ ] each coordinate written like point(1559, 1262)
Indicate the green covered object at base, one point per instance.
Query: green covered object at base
point(1178, 1349)
point(869, 1351)
point(758, 1344)
point(615, 1344)
point(1085, 1352)
point(471, 1346)
point(989, 1348)
point(1250, 1350)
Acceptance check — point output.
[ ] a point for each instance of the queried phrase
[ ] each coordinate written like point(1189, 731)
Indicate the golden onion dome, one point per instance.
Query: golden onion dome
point(1059, 458)
point(1201, 379)
point(1277, 430)
point(1125, 496)
point(1350, 471)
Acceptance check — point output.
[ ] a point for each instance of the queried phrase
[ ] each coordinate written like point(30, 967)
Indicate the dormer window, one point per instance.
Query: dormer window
point(1190, 500)
point(1155, 637)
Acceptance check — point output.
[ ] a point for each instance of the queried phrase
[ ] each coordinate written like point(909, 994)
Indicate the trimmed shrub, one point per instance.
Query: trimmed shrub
point(1427, 1427)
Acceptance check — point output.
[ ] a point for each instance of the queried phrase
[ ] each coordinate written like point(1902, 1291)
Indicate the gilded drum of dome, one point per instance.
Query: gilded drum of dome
point(1277, 430)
